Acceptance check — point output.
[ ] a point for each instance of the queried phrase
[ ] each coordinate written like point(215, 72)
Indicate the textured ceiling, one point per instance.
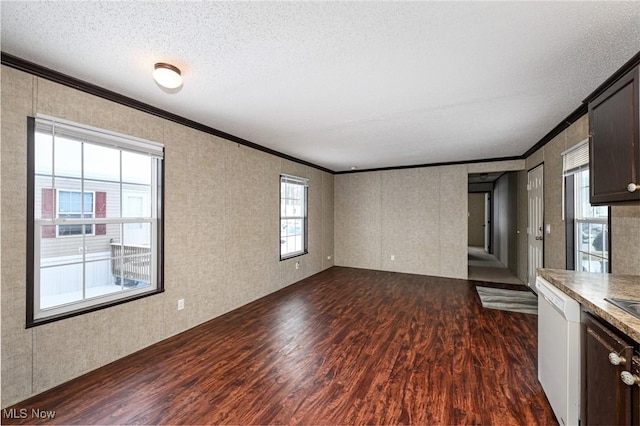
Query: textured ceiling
point(340, 84)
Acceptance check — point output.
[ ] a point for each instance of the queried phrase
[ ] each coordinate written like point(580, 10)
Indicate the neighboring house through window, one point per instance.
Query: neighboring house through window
point(293, 216)
point(70, 206)
point(95, 222)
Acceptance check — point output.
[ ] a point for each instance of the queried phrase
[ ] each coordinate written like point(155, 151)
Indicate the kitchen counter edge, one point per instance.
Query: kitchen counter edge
point(590, 290)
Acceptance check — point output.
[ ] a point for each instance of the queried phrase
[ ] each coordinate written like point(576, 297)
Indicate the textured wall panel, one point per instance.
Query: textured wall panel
point(194, 221)
point(453, 222)
point(417, 215)
point(555, 246)
point(411, 220)
point(17, 353)
point(358, 220)
point(327, 221)
point(578, 131)
point(64, 102)
point(534, 159)
point(625, 239)
point(496, 166)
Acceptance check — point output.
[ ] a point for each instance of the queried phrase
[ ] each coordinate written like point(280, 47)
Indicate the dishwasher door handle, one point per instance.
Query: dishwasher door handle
point(561, 303)
point(550, 297)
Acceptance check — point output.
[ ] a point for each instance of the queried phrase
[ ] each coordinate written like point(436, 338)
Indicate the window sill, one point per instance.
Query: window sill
point(40, 321)
point(292, 256)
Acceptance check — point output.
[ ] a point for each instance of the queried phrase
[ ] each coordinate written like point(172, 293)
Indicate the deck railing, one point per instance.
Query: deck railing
point(131, 263)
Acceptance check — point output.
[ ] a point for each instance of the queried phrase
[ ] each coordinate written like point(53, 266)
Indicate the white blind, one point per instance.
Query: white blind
point(576, 158)
point(294, 179)
point(96, 136)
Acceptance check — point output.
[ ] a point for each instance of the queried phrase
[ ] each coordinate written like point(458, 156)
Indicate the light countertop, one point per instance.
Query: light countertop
point(590, 290)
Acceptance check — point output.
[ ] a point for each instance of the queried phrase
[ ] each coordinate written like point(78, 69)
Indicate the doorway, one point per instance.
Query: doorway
point(479, 234)
point(492, 231)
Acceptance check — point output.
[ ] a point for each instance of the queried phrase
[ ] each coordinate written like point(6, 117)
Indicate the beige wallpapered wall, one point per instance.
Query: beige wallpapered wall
point(221, 237)
point(419, 216)
point(625, 240)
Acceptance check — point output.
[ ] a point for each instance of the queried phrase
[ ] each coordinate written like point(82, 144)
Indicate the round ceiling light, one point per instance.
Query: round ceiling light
point(166, 75)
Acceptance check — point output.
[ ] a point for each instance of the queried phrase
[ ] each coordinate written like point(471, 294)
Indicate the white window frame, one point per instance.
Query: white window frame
point(575, 162)
point(95, 136)
point(579, 220)
point(302, 217)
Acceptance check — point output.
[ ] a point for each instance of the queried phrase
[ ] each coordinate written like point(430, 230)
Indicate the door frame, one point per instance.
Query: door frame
point(532, 285)
point(488, 223)
point(487, 219)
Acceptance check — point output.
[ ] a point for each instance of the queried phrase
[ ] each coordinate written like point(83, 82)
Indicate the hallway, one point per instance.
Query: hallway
point(486, 267)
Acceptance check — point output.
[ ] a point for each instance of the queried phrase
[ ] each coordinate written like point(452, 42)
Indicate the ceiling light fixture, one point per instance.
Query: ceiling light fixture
point(167, 75)
point(353, 168)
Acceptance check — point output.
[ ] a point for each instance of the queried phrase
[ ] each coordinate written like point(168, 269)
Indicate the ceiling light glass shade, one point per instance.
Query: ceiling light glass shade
point(167, 75)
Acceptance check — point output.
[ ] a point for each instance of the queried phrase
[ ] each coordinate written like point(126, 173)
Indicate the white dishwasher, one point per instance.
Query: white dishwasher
point(559, 351)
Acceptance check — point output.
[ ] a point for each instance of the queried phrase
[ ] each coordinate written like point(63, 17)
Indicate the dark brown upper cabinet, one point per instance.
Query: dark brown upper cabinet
point(614, 130)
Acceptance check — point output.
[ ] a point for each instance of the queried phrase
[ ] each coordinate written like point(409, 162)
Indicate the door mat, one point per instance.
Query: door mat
point(508, 300)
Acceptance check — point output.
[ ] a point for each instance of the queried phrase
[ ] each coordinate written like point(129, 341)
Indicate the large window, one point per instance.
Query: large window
point(591, 229)
point(587, 226)
point(94, 219)
point(293, 216)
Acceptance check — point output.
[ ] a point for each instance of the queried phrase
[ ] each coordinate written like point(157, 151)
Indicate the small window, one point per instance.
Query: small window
point(293, 216)
point(72, 205)
point(94, 219)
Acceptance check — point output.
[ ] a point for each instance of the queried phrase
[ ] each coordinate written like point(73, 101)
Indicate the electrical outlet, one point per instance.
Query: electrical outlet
point(329, 257)
point(393, 257)
point(180, 304)
point(297, 265)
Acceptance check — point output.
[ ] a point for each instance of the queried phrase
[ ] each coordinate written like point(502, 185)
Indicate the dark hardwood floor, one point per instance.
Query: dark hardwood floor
point(346, 346)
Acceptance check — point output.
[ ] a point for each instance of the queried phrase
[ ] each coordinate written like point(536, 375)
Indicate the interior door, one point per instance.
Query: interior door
point(535, 230)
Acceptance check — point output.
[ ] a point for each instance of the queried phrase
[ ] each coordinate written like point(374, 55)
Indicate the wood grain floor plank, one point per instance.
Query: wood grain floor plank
point(346, 346)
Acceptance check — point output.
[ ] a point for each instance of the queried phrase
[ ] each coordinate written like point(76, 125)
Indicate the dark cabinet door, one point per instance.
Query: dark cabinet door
point(606, 400)
point(635, 391)
point(615, 134)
